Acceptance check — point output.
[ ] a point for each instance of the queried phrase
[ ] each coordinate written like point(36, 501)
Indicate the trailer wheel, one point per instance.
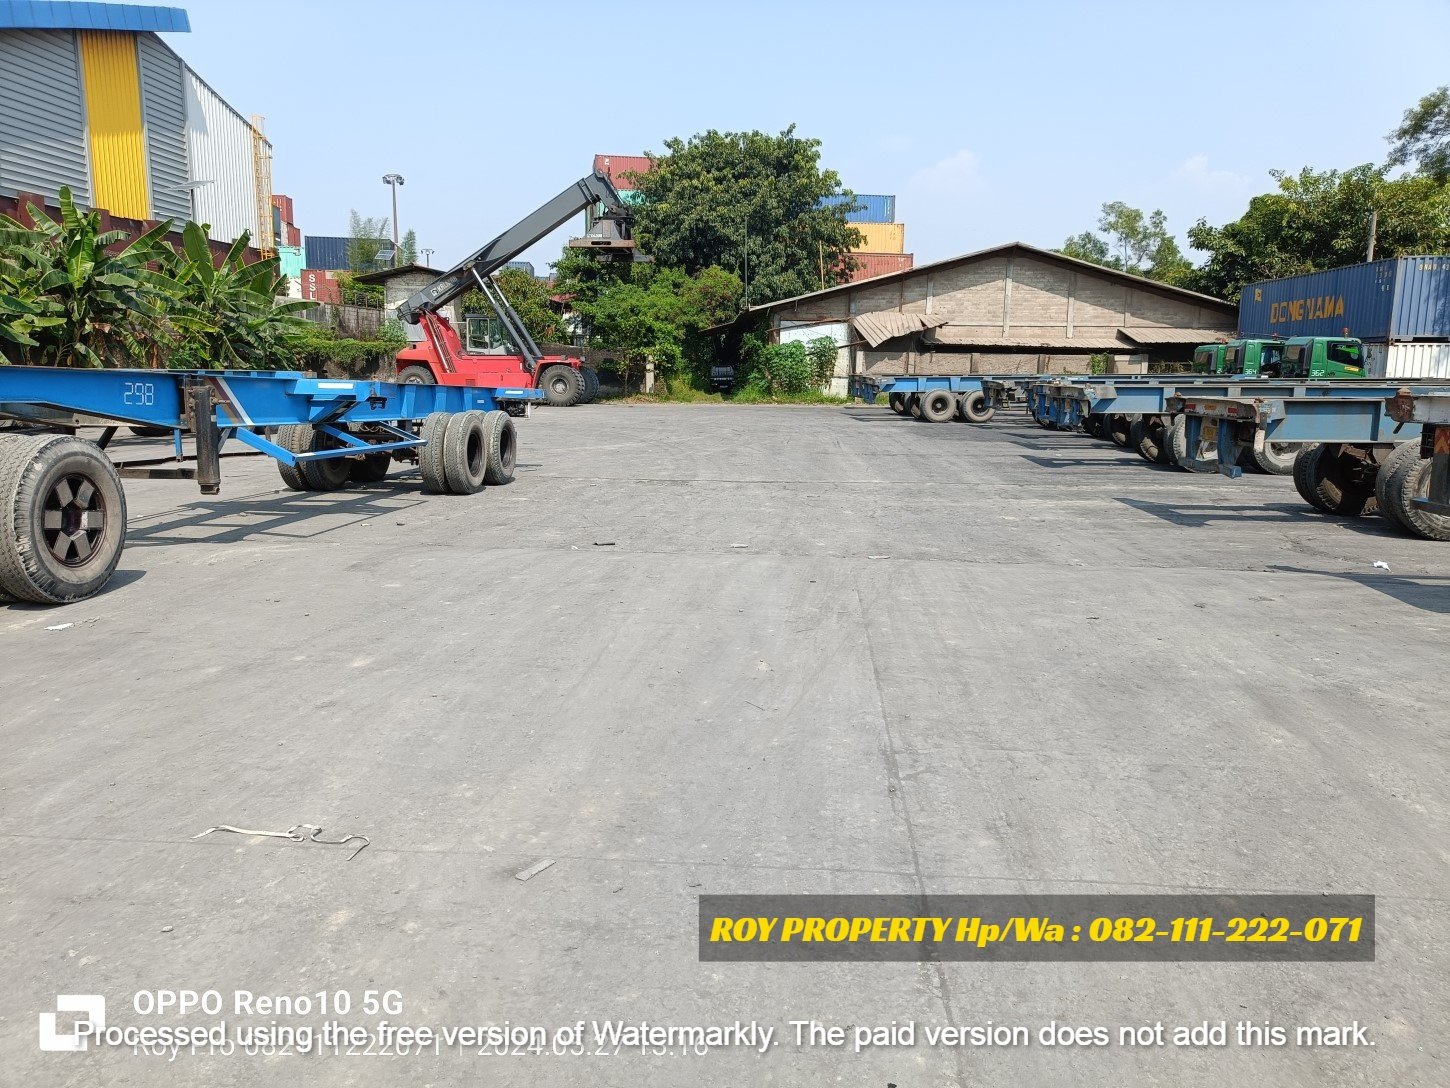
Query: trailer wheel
point(897, 403)
point(1343, 481)
point(330, 474)
point(501, 445)
point(1382, 482)
point(371, 469)
point(590, 378)
point(976, 408)
point(1176, 440)
point(1305, 470)
point(1276, 458)
point(562, 386)
point(1409, 480)
point(416, 375)
point(294, 438)
point(62, 518)
point(465, 458)
point(938, 405)
point(430, 453)
point(913, 405)
point(141, 431)
point(1150, 440)
point(1116, 428)
point(1092, 425)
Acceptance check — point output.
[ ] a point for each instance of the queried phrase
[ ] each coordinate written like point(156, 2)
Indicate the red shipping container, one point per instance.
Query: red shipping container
point(880, 264)
point(319, 286)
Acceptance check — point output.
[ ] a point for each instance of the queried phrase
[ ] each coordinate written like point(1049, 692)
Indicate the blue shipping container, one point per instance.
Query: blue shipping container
point(877, 208)
point(324, 251)
point(1402, 298)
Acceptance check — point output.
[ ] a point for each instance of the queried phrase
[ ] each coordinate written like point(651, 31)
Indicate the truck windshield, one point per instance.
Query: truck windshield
point(1345, 354)
point(1233, 360)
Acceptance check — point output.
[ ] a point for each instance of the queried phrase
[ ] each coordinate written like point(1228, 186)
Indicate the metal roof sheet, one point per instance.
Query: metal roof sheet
point(66, 15)
point(971, 338)
point(883, 325)
point(1146, 335)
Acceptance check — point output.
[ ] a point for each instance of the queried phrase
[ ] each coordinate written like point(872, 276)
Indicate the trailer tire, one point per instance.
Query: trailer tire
point(465, 457)
point(141, 431)
point(1382, 482)
point(1304, 471)
point(1150, 440)
point(372, 469)
point(938, 405)
point(1177, 440)
point(430, 453)
point(1092, 425)
point(501, 445)
point(1340, 482)
point(416, 375)
point(913, 405)
point(1410, 480)
point(1275, 459)
point(976, 408)
point(331, 474)
point(294, 438)
point(62, 518)
point(562, 386)
point(897, 403)
point(1117, 428)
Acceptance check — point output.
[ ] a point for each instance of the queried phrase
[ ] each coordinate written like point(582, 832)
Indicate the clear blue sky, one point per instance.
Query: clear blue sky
point(992, 122)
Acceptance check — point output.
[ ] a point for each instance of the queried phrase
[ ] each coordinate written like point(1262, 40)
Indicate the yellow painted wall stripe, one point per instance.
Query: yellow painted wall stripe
point(113, 114)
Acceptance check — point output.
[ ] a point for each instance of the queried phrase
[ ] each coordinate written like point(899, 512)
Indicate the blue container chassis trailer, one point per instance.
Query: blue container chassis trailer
point(62, 506)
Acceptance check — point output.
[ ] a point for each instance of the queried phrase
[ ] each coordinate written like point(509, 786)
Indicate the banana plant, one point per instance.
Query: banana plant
point(68, 300)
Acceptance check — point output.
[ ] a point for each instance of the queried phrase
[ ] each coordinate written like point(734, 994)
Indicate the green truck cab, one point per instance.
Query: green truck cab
point(1251, 357)
point(1322, 357)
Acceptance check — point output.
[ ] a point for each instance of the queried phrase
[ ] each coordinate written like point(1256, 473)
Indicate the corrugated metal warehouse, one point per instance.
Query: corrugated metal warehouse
point(92, 99)
point(1011, 309)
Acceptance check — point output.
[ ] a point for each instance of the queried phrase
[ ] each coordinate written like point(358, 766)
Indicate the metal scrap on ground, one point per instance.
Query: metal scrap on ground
point(294, 833)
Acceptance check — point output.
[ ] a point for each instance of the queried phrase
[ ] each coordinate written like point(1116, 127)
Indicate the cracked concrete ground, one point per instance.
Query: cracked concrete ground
point(727, 649)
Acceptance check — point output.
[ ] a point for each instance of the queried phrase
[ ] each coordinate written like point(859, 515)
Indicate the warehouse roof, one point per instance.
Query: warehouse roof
point(382, 275)
point(63, 15)
point(1156, 335)
point(1003, 250)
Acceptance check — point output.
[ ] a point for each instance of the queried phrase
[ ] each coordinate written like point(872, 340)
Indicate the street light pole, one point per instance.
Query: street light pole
point(393, 181)
point(427, 255)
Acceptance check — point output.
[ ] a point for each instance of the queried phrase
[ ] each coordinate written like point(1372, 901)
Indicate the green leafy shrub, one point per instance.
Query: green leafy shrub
point(791, 369)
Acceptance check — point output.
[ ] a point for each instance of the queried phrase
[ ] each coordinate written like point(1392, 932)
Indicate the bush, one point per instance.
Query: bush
point(321, 351)
point(793, 368)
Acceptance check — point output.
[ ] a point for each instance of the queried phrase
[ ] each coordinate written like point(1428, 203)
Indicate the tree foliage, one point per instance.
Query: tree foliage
point(1137, 242)
point(366, 237)
point(748, 202)
point(408, 249)
point(1320, 219)
point(528, 296)
point(793, 368)
point(1423, 136)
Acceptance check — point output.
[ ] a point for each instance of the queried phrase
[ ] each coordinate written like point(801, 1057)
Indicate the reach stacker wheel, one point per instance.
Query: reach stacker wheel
point(62, 518)
point(590, 378)
point(976, 408)
point(416, 375)
point(938, 405)
point(562, 386)
point(501, 446)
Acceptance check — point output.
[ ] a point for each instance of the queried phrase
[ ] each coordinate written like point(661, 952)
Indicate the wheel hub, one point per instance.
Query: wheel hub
point(73, 519)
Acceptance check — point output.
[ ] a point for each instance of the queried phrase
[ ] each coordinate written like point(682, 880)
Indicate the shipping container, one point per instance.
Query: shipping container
point(42, 115)
point(882, 237)
point(1426, 359)
point(113, 121)
point(289, 261)
point(220, 146)
point(318, 285)
point(623, 170)
point(869, 265)
point(1402, 298)
point(326, 251)
point(877, 208)
point(163, 109)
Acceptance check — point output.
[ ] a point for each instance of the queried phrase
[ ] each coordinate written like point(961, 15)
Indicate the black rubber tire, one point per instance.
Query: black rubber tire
point(1384, 486)
point(1246, 461)
point(1176, 440)
point(1150, 439)
point(62, 518)
point(590, 378)
point(465, 458)
point(913, 405)
point(371, 469)
point(562, 386)
point(938, 405)
point(1116, 428)
point(1411, 480)
point(1276, 458)
point(897, 403)
point(976, 408)
point(416, 375)
point(1092, 425)
point(430, 453)
point(1343, 483)
point(149, 432)
point(331, 474)
point(294, 438)
point(1305, 470)
point(501, 445)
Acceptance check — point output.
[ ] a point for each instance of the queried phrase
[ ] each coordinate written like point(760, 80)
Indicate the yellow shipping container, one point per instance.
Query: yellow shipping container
point(113, 110)
point(882, 237)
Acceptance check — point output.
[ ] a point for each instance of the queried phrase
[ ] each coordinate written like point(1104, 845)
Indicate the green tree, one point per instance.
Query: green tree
point(1136, 242)
point(1087, 246)
point(749, 202)
point(366, 237)
point(1424, 136)
point(528, 296)
point(408, 248)
point(1320, 219)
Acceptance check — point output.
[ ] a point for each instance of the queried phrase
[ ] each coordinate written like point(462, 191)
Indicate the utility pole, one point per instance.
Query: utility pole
point(427, 254)
point(1374, 222)
point(393, 181)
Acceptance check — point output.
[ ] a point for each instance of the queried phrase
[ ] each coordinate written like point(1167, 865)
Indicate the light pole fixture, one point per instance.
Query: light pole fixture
point(427, 255)
point(393, 181)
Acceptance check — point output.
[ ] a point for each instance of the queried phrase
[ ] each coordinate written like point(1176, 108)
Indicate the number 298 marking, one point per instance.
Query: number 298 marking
point(143, 393)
